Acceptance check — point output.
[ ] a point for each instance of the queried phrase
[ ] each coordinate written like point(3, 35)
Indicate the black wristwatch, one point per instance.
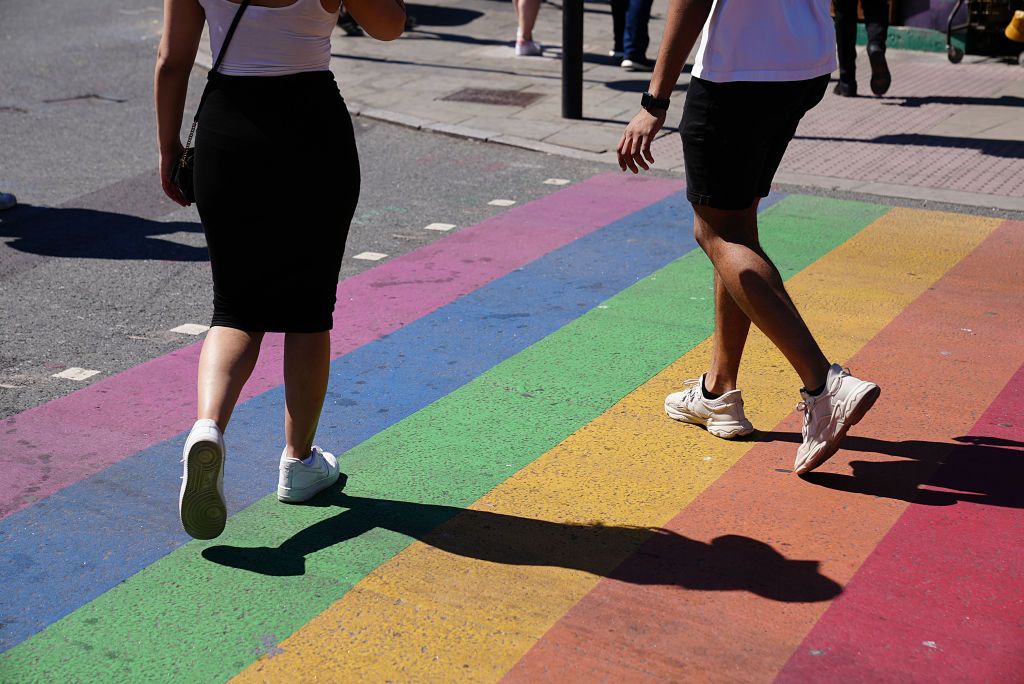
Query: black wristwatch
point(649, 102)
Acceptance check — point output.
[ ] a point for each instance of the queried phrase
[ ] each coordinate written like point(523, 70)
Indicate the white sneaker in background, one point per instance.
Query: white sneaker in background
point(828, 416)
point(723, 417)
point(299, 481)
point(638, 64)
point(201, 501)
point(528, 48)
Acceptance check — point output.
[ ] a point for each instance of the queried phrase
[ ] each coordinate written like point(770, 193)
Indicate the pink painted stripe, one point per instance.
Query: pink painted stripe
point(941, 598)
point(51, 446)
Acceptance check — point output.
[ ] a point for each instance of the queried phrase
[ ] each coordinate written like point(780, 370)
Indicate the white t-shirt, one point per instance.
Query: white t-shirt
point(766, 40)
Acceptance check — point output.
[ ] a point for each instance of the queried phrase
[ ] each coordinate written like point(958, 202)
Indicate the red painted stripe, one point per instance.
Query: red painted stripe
point(775, 548)
point(47, 448)
point(942, 597)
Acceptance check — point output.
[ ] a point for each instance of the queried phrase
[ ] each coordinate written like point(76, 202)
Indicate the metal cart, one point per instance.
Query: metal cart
point(986, 21)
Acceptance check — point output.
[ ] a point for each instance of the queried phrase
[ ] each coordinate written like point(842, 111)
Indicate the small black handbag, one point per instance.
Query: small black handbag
point(184, 166)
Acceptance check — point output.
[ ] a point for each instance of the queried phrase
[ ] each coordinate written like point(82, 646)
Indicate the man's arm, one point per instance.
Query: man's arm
point(682, 26)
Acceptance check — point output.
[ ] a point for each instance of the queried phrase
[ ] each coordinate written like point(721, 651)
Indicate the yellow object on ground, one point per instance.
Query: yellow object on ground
point(1015, 30)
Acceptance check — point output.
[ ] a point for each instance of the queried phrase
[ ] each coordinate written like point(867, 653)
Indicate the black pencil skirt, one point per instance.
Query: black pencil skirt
point(277, 182)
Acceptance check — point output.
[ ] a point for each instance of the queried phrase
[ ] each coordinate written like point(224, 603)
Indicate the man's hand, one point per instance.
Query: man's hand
point(635, 147)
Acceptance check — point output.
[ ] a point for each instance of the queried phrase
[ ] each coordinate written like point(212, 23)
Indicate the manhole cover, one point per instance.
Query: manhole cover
point(514, 98)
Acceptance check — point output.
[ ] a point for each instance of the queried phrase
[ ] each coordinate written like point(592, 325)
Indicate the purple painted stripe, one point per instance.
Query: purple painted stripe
point(54, 445)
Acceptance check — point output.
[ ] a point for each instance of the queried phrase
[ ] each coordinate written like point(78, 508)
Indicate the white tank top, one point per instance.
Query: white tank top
point(766, 40)
point(271, 41)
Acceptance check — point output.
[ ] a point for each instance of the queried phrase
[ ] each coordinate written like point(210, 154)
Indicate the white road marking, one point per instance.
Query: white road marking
point(184, 238)
point(6, 386)
point(501, 203)
point(75, 373)
point(190, 329)
point(370, 256)
point(440, 226)
point(557, 181)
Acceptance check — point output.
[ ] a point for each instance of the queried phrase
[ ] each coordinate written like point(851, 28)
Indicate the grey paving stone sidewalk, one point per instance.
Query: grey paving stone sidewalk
point(944, 132)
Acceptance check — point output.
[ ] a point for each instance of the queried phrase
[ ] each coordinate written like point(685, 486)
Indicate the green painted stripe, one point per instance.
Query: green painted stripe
point(187, 619)
point(913, 38)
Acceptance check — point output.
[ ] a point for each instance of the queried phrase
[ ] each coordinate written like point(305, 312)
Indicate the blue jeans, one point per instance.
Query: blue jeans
point(635, 39)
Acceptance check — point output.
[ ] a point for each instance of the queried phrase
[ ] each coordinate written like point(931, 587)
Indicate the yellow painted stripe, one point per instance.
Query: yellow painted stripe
point(431, 615)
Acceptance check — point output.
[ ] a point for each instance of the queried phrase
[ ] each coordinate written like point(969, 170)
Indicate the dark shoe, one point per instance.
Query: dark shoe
point(881, 79)
point(846, 88)
point(349, 25)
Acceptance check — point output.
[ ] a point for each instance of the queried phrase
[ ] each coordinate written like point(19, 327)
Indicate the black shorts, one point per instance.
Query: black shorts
point(734, 136)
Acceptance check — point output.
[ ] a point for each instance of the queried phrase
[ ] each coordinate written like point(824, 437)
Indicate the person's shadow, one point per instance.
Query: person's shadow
point(655, 555)
point(976, 469)
point(94, 234)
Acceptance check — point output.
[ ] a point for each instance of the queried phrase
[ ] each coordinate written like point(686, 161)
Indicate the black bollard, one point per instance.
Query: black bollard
point(572, 59)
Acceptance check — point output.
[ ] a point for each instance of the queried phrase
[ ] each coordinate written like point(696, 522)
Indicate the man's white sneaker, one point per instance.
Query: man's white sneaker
point(828, 416)
point(723, 417)
point(300, 481)
point(201, 501)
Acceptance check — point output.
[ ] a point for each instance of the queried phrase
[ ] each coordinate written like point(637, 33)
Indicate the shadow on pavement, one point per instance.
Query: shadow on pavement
point(432, 15)
point(638, 85)
point(1013, 149)
point(94, 234)
point(979, 470)
point(1001, 101)
point(655, 555)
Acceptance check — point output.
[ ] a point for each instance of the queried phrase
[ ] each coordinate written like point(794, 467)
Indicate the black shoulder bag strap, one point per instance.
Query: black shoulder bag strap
point(216, 65)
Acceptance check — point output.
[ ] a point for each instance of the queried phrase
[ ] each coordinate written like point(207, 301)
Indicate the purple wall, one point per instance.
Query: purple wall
point(930, 13)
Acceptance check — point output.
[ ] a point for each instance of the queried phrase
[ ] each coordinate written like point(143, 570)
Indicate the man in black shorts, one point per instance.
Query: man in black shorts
point(759, 68)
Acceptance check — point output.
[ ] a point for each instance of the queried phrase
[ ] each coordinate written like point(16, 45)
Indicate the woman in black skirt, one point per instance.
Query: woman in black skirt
point(276, 185)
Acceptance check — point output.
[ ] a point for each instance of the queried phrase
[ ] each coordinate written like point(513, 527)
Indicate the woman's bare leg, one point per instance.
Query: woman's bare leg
point(225, 364)
point(527, 11)
point(307, 362)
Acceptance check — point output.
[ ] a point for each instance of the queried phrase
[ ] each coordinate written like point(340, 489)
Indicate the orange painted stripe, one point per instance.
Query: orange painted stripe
point(780, 548)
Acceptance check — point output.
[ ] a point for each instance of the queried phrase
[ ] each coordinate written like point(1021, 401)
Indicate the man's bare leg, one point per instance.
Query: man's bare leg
point(731, 328)
point(729, 238)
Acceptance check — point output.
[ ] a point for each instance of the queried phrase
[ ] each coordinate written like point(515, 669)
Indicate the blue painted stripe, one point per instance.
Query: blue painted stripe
point(73, 546)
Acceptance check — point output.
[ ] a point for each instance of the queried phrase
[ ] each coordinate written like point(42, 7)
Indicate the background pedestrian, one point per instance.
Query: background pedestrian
point(526, 12)
point(630, 19)
point(876, 21)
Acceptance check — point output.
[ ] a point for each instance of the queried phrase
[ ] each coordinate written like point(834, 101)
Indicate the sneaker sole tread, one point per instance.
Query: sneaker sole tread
point(201, 507)
point(732, 432)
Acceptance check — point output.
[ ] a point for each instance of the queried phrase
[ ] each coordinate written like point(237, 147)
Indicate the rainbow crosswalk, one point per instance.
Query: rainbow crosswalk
point(517, 505)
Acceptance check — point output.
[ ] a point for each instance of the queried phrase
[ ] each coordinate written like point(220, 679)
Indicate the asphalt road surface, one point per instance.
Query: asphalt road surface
point(97, 266)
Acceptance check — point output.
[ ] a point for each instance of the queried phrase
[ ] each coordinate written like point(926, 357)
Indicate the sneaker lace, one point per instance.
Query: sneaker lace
point(805, 407)
point(692, 388)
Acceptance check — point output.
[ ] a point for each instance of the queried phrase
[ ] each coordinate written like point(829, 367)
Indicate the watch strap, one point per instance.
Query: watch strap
point(650, 102)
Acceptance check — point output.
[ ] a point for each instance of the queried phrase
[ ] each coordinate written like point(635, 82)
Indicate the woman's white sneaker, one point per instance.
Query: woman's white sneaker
point(723, 417)
point(828, 416)
point(300, 481)
point(201, 500)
